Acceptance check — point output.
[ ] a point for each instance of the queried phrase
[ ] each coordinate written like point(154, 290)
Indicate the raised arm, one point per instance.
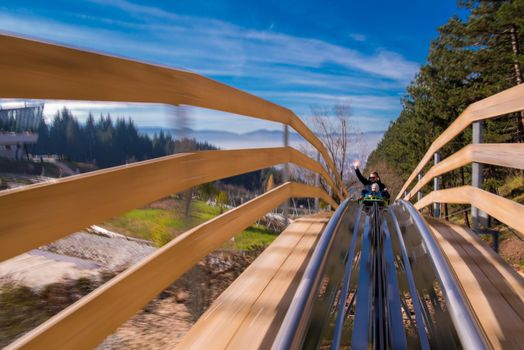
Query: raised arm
point(362, 179)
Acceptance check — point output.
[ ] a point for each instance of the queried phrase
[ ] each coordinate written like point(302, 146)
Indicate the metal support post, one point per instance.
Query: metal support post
point(419, 193)
point(286, 175)
point(317, 184)
point(436, 206)
point(478, 217)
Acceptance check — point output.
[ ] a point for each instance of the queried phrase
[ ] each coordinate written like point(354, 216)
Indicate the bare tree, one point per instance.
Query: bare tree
point(332, 126)
point(342, 140)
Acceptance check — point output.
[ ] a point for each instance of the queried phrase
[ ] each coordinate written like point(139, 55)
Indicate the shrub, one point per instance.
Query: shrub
point(160, 235)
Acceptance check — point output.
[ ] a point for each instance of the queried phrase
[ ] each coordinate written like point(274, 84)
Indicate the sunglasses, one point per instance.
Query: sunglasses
point(372, 177)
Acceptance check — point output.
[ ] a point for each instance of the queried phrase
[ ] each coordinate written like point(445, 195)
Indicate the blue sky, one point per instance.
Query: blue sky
point(295, 53)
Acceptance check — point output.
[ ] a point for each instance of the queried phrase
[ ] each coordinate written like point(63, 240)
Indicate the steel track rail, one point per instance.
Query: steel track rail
point(392, 254)
point(293, 327)
point(468, 330)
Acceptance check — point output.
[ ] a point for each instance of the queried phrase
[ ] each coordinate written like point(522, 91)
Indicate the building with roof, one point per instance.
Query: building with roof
point(18, 129)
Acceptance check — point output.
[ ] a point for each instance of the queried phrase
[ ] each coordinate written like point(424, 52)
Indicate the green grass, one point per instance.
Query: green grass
point(253, 237)
point(203, 212)
point(162, 225)
point(142, 223)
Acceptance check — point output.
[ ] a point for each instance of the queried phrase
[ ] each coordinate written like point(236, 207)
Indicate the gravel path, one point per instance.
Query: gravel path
point(78, 255)
point(112, 253)
point(38, 268)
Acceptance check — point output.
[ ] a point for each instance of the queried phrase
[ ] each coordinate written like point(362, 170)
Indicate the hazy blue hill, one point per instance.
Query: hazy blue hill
point(367, 141)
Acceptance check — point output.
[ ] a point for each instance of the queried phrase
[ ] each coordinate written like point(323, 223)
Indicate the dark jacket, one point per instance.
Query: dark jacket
point(367, 183)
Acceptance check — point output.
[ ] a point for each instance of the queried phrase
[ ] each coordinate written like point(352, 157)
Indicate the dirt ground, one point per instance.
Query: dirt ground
point(511, 249)
point(166, 204)
point(165, 320)
point(161, 326)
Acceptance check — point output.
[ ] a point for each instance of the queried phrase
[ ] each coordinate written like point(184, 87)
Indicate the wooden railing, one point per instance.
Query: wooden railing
point(70, 204)
point(504, 210)
point(506, 155)
point(31, 69)
point(38, 214)
point(87, 322)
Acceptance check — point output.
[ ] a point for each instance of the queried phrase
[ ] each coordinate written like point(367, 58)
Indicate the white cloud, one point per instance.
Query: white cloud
point(231, 46)
point(264, 61)
point(236, 44)
point(364, 102)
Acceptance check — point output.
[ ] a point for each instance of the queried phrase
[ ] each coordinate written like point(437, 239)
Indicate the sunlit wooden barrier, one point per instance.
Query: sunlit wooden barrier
point(501, 154)
point(250, 312)
point(506, 155)
point(41, 213)
point(504, 210)
point(38, 214)
point(31, 69)
point(505, 102)
point(494, 290)
point(87, 322)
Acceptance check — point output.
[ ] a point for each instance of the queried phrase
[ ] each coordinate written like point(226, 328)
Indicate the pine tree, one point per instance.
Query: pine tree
point(471, 59)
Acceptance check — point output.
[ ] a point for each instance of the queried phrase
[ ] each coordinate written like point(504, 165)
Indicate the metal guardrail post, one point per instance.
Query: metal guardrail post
point(436, 206)
point(419, 193)
point(286, 175)
point(317, 184)
point(478, 217)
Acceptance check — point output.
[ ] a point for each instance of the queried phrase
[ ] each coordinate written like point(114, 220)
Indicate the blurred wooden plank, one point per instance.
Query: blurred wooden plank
point(224, 317)
point(507, 101)
point(33, 69)
point(261, 325)
point(38, 214)
point(502, 209)
point(248, 314)
point(494, 290)
point(510, 155)
point(86, 323)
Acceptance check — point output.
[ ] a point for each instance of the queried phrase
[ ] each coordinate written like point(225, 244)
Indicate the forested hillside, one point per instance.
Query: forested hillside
point(105, 143)
point(475, 55)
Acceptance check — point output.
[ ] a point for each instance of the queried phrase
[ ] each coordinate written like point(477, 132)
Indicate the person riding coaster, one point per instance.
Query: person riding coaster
point(374, 190)
point(373, 196)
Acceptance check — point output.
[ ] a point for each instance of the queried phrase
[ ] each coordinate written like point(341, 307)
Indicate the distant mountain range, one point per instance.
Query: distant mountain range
point(366, 142)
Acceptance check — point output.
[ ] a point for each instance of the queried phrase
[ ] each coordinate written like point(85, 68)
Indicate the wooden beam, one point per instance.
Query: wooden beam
point(502, 209)
point(494, 289)
point(38, 214)
point(510, 155)
point(87, 322)
point(507, 101)
point(32, 69)
point(304, 161)
point(253, 307)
